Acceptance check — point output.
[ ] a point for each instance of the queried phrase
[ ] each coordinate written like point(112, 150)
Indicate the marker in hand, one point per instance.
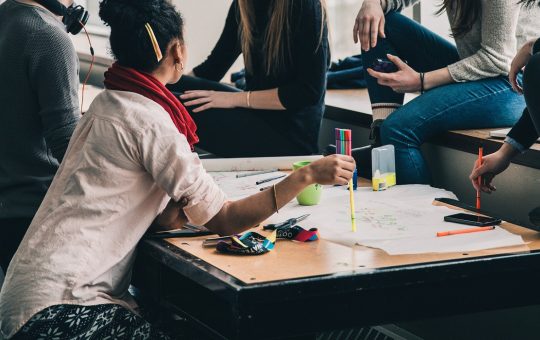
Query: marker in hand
point(480, 155)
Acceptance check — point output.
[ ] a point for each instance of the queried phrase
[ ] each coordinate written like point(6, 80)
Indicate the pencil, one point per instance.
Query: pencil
point(480, 155)
point(253, 173)
point(464, 231)
point(353, 215)
point(269, 179)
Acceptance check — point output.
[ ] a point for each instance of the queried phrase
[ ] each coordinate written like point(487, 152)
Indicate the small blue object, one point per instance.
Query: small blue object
point(355, 179)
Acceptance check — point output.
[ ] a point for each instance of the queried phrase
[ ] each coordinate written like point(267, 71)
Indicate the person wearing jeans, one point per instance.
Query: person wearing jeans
point(463, 86)
point(527, 129)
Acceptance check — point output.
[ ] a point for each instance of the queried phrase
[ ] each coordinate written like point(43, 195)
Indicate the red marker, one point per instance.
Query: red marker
point(480, 155)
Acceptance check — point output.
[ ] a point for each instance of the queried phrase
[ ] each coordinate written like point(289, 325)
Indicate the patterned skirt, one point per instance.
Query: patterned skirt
point(107, 321)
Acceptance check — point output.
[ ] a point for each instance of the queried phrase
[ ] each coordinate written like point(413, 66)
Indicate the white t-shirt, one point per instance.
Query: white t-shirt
point(124, 162)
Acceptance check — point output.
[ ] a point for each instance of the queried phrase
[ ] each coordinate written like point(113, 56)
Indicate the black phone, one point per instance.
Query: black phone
point(384, 66)
point(469, 219)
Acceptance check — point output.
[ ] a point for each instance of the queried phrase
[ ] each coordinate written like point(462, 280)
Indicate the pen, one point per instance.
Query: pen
point(351, 200)
point(253, 173)
point(464, 231)
point(179, 233)
point(269, 179)
point(289, 223)
point(480, 155)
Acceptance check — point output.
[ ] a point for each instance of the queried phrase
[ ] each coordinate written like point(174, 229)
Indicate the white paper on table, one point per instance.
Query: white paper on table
point(254, 164)
point(236, 188)
point(401, 220)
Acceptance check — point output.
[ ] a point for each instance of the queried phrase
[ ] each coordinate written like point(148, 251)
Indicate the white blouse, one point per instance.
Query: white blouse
point(124, 162)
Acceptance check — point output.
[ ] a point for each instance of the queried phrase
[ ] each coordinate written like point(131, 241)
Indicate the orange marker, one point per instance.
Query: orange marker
point(480, 155)
point(464, 231)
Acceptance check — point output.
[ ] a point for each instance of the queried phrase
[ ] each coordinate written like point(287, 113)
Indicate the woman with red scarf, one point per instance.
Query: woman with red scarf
point(129, 164)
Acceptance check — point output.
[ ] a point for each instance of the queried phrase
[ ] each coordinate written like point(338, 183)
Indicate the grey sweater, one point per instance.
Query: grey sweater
point(488, 49)
point(38, 104)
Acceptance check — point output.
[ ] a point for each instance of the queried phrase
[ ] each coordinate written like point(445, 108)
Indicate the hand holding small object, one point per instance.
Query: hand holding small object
point(405, 80)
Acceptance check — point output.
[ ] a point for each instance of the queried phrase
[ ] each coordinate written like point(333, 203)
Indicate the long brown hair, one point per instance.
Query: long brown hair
point(278, 35)
point(467, 13)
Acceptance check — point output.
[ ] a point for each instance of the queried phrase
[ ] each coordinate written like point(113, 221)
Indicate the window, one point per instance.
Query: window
point(94, 25)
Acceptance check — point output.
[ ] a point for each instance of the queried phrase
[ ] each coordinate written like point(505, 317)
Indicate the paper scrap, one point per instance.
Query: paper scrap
point(237, 188)
point(253, 164)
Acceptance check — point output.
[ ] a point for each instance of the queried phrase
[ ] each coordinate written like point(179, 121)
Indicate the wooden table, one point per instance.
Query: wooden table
point(300, 289)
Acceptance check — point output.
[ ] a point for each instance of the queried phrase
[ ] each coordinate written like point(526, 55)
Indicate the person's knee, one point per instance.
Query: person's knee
point(536, 47)
point(392, 18)
point(395, 129)
point(532, 71)
point(531, 77)
point(392, 132)
point(394, 23)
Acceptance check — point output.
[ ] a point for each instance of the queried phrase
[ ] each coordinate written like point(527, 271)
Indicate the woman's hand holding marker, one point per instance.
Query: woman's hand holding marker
point(491, 166)
point(333, 169)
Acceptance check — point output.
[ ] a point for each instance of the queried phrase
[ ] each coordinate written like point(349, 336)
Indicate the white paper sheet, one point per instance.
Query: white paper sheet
point(257, 163)
point(237, 188)
point(401, 220)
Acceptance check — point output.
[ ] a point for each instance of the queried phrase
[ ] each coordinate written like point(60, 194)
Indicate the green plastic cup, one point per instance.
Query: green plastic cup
point(311, 195)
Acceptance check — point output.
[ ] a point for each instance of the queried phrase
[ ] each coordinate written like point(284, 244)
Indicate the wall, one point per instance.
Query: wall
point(437, 23)
point(203, 26)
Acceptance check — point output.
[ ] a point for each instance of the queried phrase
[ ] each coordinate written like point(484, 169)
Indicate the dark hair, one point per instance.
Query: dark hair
point(468, 12)
point(130, 42)
point(529, 3)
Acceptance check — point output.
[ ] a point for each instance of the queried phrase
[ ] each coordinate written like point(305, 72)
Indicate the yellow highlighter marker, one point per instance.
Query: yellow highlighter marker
point(353, 216)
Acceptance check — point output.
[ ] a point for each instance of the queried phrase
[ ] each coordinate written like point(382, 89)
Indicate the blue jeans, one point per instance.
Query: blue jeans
point(486, 103)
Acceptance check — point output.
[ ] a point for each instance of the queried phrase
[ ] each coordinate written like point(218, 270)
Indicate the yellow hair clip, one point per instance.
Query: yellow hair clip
point(154, 41)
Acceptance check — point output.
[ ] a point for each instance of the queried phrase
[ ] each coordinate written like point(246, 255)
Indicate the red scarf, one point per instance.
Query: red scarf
point(128, 79)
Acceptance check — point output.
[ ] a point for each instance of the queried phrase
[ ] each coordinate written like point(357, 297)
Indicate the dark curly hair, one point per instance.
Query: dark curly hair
point(130, 42)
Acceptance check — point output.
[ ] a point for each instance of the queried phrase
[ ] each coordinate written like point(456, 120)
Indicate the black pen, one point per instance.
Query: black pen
point(269, 179)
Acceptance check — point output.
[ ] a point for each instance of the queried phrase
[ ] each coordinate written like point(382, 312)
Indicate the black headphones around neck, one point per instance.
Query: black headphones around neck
point(72, 16)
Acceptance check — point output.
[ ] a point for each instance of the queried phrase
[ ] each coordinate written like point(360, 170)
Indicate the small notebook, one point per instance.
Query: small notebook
point(501, 133)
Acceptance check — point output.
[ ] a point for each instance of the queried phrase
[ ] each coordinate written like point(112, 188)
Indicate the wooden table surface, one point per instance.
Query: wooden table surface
point(293, 260)
point(327, 286)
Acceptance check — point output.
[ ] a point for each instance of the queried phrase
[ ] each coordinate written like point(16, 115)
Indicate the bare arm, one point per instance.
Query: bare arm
point(263, 100)
point(237, 216)
point(437, 78)
point(407, 80)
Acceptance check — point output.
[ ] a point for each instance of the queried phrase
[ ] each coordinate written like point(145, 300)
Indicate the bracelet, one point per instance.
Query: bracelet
point(248, 99)
point(275, 198)
point(422, 89)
